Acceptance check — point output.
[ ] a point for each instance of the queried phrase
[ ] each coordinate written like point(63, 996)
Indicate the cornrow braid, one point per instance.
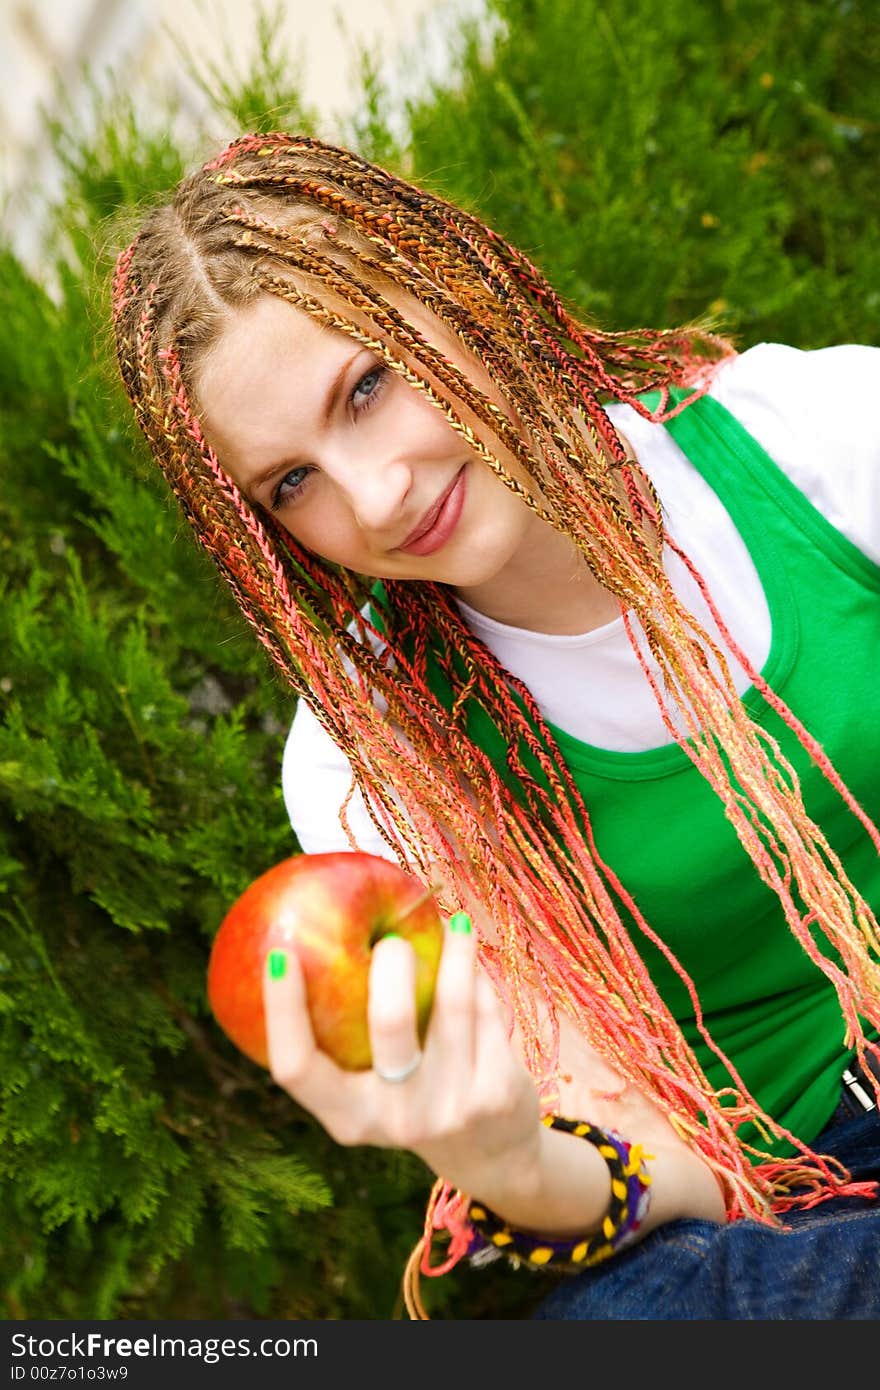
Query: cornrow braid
point(331, 234)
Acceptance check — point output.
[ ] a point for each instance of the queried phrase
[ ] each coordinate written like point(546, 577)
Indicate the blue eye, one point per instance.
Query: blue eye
point(371, 387)
point(279, 497)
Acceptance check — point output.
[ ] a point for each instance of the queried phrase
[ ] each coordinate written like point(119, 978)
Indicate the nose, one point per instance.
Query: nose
point(377, 490)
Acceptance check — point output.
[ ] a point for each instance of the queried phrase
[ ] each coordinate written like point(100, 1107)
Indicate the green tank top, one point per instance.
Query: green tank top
point(663, 831)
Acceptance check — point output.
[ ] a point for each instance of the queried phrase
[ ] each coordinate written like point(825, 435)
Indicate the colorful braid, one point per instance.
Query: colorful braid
point(324, 230)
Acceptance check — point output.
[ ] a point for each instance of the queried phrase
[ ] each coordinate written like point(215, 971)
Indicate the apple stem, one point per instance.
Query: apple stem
point(417, 902)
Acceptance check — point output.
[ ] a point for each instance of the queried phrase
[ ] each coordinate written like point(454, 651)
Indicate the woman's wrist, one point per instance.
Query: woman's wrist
point(685, 1187)
point(621, 1196)
point(573, 1205)
point(558, 1189)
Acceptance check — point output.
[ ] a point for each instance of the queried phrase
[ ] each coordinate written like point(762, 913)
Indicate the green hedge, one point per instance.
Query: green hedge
point(661, 162)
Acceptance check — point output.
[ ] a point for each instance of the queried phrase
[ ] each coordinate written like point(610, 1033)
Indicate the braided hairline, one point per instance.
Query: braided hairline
point(432, 251)
point(358, 294)
point(662, 367)
point(571, 942)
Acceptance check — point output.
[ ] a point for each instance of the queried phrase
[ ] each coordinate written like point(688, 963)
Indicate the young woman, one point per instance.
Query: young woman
point(583, 628)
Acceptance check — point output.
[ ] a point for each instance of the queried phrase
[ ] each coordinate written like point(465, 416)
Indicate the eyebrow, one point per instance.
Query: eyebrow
point(291, 460)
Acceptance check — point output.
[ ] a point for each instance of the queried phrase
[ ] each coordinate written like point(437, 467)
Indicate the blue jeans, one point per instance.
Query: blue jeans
point(825, 1264)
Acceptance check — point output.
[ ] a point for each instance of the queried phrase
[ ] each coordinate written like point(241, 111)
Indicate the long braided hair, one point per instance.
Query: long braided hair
point(332, 235)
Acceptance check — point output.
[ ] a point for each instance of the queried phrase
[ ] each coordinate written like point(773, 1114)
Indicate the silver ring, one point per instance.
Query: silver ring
point(402, 1073)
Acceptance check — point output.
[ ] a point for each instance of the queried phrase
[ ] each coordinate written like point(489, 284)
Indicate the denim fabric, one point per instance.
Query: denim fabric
point(825, 1264)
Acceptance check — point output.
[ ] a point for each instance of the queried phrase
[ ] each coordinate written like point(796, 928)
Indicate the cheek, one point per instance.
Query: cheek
point(417, 418)
point(326, 528)
point(493, 490)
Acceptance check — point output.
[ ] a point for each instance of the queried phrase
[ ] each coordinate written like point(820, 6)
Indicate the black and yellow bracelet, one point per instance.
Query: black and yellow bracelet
point(630, 1195)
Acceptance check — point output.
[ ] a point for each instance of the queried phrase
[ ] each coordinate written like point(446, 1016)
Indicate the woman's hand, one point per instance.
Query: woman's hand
point(469, 1109)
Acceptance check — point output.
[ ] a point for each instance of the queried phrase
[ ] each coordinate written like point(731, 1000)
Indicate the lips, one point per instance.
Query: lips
point(423, 540)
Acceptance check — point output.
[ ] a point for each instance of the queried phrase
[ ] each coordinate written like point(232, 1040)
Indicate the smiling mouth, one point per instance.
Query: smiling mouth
point(439, 522)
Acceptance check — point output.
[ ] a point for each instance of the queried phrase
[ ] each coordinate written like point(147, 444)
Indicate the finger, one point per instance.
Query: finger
point(289, 1037)
point(391, 1007)
point(295, 1062)
point(452, 1024)
point(493, 1047)
point(492, 1012)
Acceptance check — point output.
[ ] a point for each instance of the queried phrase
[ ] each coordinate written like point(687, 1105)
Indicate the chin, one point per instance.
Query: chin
point(484, 563)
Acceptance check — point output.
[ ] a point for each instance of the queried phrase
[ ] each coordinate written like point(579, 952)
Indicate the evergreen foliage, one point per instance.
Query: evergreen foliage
point(663, 162)
point(660, 163)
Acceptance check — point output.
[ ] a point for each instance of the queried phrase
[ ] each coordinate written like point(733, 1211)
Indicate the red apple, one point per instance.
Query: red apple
point(331, 909)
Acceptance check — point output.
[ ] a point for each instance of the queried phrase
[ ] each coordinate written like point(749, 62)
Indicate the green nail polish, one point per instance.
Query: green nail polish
point(277, 965)
point(460, 922)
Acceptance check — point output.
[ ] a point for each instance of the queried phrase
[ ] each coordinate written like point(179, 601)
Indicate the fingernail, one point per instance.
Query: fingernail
point(460, 922)
point(277, 965)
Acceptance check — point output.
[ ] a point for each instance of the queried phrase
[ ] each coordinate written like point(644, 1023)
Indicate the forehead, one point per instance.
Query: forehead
point(272, 330)
point(268, 325)
point(259, 338)
point(266, 369)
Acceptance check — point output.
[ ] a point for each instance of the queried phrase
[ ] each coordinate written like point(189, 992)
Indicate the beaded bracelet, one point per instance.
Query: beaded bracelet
point(630, 1195)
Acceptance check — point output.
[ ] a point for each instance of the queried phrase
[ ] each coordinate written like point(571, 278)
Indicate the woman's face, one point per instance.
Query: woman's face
point(350, 457)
